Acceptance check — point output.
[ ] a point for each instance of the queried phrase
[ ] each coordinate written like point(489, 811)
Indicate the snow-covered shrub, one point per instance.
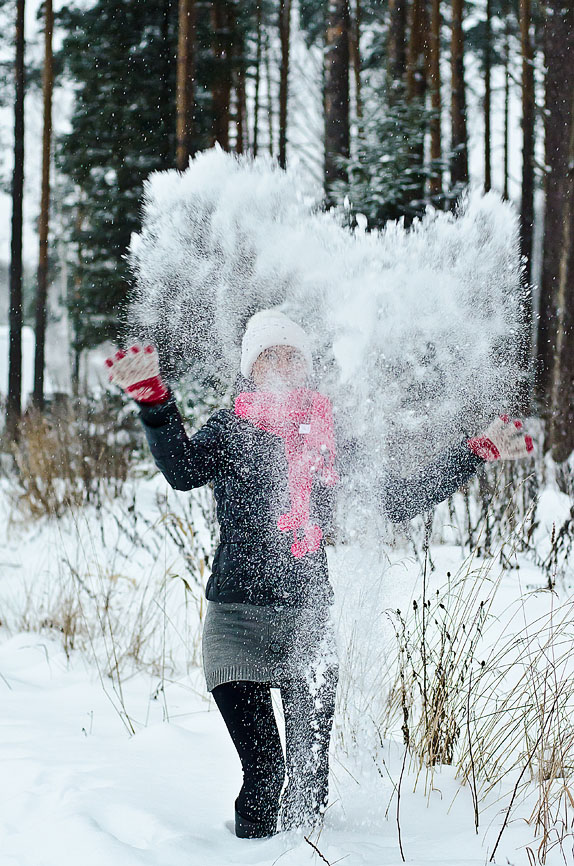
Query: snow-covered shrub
point(385, 175)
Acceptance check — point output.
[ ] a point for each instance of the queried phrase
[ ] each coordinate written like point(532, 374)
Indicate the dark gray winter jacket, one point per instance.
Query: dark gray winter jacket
point(253, 563)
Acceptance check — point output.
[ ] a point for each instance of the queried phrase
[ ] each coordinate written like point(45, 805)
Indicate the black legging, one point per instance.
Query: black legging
point(248, 713)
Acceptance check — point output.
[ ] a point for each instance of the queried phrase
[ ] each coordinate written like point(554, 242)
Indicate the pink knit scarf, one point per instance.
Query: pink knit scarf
point(304, 419)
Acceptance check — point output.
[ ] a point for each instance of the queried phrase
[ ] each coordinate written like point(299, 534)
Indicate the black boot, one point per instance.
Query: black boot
point(247, 829)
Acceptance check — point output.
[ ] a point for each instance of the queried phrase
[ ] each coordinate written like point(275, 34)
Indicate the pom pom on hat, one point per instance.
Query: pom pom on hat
point(272, 328)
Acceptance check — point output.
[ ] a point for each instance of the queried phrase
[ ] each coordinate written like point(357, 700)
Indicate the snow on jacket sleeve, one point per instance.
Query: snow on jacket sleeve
point(404, 498)
point(185, 461)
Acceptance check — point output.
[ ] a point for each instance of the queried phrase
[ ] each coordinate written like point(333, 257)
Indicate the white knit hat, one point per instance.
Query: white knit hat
point(272, 328)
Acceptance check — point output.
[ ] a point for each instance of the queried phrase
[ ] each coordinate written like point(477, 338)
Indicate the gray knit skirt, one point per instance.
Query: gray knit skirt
point(265, 644)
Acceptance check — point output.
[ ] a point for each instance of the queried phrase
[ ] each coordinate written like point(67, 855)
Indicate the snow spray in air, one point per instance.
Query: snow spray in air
point(415, 331)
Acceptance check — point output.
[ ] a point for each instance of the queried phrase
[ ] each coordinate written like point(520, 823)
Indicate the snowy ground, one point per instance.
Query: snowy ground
point(77, 787)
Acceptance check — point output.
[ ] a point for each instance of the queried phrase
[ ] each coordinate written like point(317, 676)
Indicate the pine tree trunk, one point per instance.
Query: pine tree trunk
point(417, 51)
point(270, 135)
point(355, 57)
point(14, 403)
point(527, 201)
point(257, 80)
point(77, 300)
point(285, 37)
point(221, 88)
point(487, 94)
point(436, 103)
point(241, 109)
point(185, 91)
point(44, 223)
point(417, 66)
point(459, 141)
point(238, 44)
point(561, 433)
point(166, 95)
point(336, 56)
point(559, 57)
point(506, 112)
point(397, 41)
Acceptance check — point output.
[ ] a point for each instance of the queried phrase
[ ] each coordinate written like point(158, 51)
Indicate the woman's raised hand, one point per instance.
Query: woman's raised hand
point(504, 439)
point(137, 371)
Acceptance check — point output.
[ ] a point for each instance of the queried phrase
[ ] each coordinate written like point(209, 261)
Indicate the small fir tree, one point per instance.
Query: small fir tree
point(385, 174)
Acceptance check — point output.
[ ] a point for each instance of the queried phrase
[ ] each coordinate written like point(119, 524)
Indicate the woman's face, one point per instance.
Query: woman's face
point(279, 368)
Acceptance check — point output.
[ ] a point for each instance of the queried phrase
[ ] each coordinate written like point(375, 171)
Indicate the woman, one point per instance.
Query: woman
point(271, 461)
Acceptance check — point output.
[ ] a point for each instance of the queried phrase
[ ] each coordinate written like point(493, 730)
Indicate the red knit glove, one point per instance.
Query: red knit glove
point(137, 372)
point(503, 439)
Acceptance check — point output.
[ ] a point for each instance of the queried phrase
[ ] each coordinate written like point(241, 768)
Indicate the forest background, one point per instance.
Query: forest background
point(370, 98)
point(456, 635)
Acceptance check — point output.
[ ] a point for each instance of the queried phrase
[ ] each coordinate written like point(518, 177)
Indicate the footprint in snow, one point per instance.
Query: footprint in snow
point(132, 826)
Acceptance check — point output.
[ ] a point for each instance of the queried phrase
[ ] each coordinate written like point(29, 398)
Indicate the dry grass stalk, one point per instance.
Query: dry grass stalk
point(68, 459)
point(495, 698)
